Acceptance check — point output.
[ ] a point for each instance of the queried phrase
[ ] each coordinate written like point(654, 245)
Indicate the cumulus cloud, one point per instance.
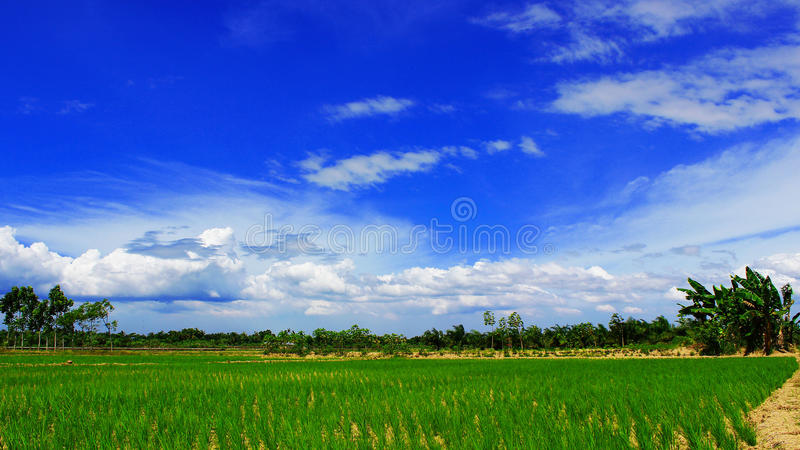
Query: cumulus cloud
point(320, 288)
point(605, 308)
point(723, 91)
point(118, 273)
point(514, 283)
point(782, 267)
point(380, 105)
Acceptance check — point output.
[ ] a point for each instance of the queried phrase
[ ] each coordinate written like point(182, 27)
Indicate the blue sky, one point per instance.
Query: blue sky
point(609, 149)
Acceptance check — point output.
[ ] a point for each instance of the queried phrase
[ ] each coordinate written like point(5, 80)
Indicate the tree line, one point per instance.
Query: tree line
point(27, 314)
point(751, 314)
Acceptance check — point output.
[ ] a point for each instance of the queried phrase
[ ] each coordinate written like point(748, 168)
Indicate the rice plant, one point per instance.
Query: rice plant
point(181, 401)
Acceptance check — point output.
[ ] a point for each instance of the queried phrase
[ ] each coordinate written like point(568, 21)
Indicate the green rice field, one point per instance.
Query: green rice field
point(200, 401)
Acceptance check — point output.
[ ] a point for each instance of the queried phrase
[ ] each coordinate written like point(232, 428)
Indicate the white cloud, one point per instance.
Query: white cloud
point(118, 273)
point(462, 151)
point(782, 267)
point(533, 17)
point(723, 91)
point(605, 308)
point(376, 168)
point(525, 143)
point(380, 105)
point(497, 146)
point(674, 294)
point(586, 47)
point(572, 34)
point(742, 198)
point(367, 170)
point(529, 146)
point(632, 310)
point(319, 288)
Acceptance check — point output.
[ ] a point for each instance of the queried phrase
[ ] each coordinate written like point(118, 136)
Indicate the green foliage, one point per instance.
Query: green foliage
point(751, 313)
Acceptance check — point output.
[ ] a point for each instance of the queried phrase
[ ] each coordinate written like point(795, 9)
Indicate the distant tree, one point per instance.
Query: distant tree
point(455, 335)
point(11, 306)
point(616, 325)
point(488, 320)
point(502, 328)
point(515, 323)
point(59, 306)
point(39, 319)
point(104, 310)
point(789, 323)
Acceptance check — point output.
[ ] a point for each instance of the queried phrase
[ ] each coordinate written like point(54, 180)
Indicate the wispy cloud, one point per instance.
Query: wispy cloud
point(707, 205)
point(528, 146)
point(367, 170)
point(498, 145)
point(601, 31)
point(532, 17)
point(28, 105)
point(723, 91)
point(74, 106)
point(380, 105)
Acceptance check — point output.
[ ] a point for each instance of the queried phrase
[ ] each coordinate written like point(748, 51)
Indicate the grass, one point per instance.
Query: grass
point(191, 401)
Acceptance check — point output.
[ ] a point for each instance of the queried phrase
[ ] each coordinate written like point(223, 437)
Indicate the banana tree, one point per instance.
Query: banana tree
point(789, 323)
point(704, 303)
point(764, 310)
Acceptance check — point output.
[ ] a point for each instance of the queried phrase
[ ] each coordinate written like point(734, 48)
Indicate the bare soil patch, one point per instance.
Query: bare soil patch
point(777, 420)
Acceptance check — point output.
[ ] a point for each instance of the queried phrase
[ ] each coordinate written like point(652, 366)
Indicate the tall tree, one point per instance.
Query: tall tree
point(616, 325)
point(59, 305)
point(11, 306)
point(515, 322)
point(502, 327)
point(789, 323)
point(488, 320)
point(764, 307)
point(104, 310)
point(29, 303)
point(703, 302)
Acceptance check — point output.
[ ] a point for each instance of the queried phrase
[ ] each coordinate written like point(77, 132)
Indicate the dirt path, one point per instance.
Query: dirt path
point(777, 420)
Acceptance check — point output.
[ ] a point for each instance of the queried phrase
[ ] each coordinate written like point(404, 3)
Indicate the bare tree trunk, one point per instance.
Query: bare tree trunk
point(39, 344)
